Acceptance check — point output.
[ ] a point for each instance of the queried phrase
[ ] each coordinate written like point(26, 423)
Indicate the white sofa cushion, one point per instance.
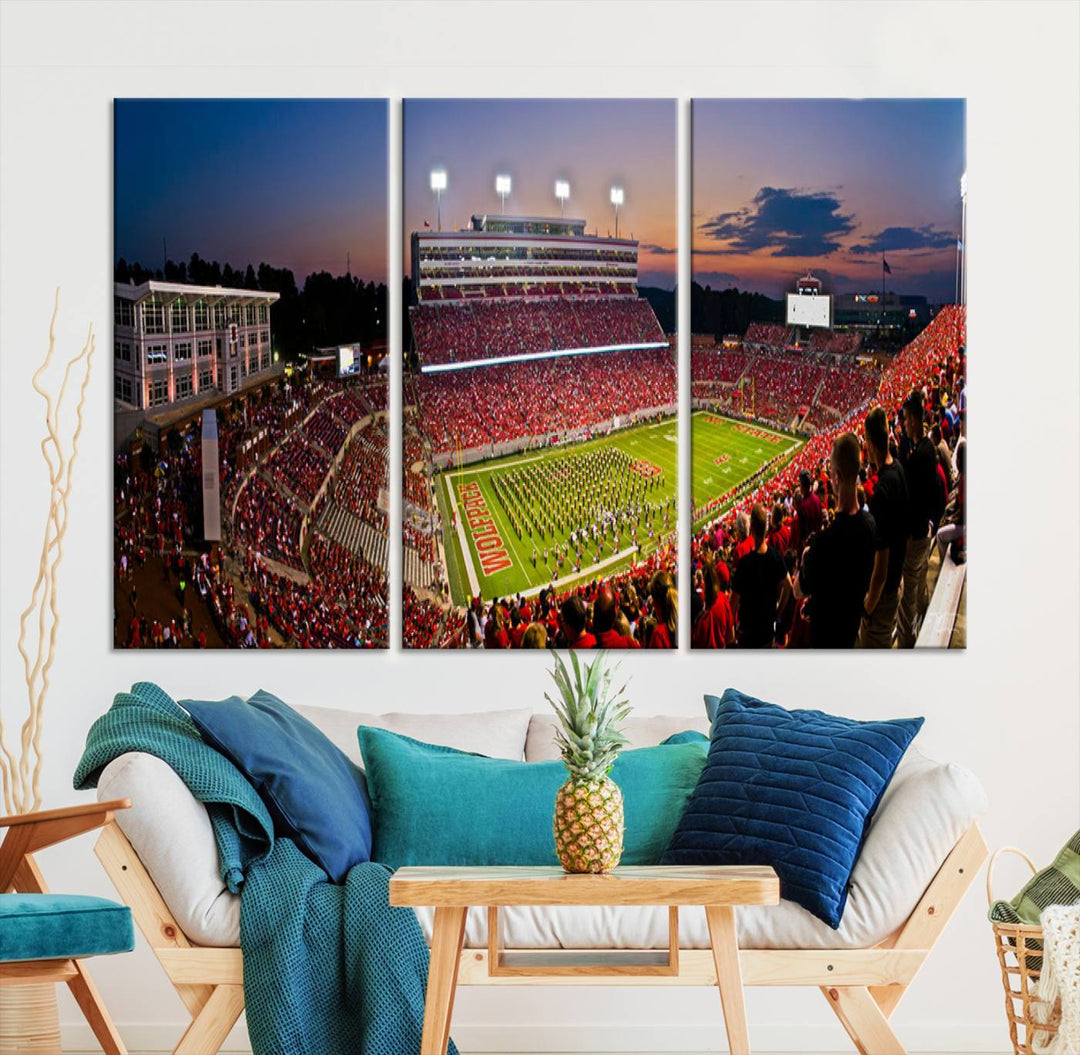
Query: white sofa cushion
point(925, 810)
point(171, 832)
point(497, 734)
point(640, 730)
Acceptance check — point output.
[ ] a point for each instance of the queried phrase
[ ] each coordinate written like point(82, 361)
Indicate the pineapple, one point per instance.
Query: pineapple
point(588, 808)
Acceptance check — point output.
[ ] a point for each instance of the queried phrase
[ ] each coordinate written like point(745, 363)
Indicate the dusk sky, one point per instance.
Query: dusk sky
point(782, 185)
point(594, 144)
point(295, 183)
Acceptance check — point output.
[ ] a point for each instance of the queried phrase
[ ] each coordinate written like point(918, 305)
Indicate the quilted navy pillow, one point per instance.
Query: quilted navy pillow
point(792, 789)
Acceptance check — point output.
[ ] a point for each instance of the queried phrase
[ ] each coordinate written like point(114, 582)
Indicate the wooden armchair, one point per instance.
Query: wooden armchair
point(45, 937)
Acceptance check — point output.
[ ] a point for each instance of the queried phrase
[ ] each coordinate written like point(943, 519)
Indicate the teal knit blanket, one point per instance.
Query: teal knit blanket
point(329, 969)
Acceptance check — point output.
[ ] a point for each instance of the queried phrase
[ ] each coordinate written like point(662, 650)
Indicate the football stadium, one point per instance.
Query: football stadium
point(282, 541)
point(769, 409)
point(250, 389)
point(540, 439)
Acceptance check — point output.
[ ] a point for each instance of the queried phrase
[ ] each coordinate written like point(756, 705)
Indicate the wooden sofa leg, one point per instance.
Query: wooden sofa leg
point(94, 1011)
point(211, 1025)
point(860, 1015)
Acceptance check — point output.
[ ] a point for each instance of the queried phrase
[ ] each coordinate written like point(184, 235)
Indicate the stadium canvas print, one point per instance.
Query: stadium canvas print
point(540, 447)
point(250, 388)
point(828, 374)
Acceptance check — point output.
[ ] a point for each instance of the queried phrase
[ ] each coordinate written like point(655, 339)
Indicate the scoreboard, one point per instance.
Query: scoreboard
point(809, 310)
point(348, 360)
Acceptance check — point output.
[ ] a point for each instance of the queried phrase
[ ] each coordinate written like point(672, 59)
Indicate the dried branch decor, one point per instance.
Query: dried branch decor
point(40, 621)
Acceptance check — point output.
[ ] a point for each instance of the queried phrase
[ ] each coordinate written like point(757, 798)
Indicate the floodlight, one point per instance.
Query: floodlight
point(616, 200)
point(562, 192)
point(438, 185)
point(502, 189)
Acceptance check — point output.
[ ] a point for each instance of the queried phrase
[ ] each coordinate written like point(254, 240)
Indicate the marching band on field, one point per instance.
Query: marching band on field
point(577, 503)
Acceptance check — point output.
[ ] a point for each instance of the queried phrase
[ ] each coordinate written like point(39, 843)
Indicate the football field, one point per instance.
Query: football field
point(725, 452)
point(514, 524)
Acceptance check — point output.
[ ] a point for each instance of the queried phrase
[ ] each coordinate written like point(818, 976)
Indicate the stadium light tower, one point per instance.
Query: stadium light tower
point(502, 189)
point(438, 185)
point(562, 192)
point(616, 200)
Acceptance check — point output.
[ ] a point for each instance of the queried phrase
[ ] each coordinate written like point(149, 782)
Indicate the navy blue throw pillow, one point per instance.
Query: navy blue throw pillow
point(792, 789)
point(315, 795)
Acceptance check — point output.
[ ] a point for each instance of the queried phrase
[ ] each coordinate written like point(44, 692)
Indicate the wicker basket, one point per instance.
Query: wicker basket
point(1020, 955)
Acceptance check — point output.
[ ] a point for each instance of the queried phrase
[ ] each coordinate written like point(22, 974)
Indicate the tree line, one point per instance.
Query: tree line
point(326, 310)
point(730, 311)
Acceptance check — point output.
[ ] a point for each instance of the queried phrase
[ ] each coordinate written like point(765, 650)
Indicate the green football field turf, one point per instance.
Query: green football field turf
point(724, 455)
point(509, 558)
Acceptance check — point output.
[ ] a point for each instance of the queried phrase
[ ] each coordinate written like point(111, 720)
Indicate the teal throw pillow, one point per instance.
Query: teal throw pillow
point(437, 806)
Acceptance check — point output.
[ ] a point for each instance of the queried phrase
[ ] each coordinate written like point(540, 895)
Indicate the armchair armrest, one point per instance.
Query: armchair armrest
point(30, 832)
point(64, 813)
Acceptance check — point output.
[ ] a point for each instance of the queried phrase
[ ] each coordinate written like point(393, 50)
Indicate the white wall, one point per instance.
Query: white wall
point(1007, 708)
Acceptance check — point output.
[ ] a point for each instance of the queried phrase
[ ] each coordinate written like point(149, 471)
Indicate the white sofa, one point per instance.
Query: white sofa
point(926, 810)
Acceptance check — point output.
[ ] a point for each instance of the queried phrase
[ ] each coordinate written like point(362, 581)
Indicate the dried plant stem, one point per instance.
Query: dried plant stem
point(40, 620)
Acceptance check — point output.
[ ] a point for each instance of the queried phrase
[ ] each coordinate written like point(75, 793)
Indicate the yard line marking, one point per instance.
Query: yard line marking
point(591, 571)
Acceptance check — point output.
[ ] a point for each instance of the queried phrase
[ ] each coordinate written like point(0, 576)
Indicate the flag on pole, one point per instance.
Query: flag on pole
point(885, 266)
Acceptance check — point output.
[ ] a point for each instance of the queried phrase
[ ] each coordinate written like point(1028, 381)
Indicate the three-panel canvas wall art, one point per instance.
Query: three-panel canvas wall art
point(543, 338)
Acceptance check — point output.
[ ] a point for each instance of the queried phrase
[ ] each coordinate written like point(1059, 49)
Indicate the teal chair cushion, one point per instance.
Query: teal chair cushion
point(59, 926)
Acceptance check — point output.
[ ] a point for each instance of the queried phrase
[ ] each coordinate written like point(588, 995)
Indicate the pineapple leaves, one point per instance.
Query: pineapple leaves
point(589, 715)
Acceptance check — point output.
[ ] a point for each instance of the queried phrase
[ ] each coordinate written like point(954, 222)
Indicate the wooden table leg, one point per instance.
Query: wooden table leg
point(725, 950)
point(446, 941)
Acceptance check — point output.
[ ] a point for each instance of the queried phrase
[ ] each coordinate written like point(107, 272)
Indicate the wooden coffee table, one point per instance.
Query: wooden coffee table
point(452, 891)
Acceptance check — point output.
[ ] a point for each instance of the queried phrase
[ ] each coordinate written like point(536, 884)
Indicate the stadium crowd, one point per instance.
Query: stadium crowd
point(473, 330)
point(326, 597)
point(843, 343)
point(427, 623)
point(463, 409)
point(362, 475)
point(266, 522)
point(634, 609)
point(832, 551)
point(300, 466)
point(783, 388)
point(769, 334)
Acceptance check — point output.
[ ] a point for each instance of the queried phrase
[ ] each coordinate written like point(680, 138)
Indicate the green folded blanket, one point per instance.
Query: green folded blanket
point(1058, 884)
point(328, 969)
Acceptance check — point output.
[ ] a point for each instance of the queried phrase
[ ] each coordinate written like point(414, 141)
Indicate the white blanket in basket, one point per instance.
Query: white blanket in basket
point(1060, 979)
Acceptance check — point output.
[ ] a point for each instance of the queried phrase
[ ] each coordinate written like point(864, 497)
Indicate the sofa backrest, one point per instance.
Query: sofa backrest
point(515, 734)
point(640, 730)
point(497, 734)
